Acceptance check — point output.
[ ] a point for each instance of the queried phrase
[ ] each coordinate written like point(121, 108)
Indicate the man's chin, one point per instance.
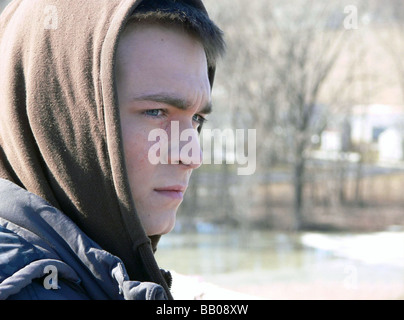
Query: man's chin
point(159, 228)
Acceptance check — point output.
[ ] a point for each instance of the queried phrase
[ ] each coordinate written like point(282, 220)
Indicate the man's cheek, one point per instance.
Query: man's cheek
point(141, 155)
point(136, 148)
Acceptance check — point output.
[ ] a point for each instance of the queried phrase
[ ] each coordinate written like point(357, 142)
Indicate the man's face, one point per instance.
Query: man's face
point(162, 80)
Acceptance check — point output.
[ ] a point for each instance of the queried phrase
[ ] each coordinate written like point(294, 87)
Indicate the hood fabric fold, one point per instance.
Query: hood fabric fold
point(60, 135)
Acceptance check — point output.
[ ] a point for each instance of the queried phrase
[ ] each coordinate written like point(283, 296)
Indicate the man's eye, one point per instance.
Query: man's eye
point(199, 119)
point(154, 112)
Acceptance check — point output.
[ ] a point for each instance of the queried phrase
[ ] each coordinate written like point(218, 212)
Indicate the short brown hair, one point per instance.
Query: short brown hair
point(187, 14)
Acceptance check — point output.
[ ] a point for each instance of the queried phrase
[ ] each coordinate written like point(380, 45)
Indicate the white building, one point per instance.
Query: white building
point(368, 122)
point(390, 145)
point(331, 140)
point(379, 126)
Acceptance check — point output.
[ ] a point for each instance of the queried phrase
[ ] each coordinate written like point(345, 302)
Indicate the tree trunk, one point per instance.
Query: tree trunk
point(298, 175)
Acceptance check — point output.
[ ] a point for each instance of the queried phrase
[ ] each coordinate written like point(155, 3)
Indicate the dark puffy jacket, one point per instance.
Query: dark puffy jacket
point(44, 255)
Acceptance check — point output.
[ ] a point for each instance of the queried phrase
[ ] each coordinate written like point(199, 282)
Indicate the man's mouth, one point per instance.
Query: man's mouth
point(173, 192)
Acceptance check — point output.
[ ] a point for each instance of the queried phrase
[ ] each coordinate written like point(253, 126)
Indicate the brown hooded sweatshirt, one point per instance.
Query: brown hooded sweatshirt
point(60, 135)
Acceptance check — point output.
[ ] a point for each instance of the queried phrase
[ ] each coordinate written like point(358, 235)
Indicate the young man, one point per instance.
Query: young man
point(82, 85)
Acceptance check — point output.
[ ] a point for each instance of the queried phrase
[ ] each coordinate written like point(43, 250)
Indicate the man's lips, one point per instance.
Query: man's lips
point(174, 192)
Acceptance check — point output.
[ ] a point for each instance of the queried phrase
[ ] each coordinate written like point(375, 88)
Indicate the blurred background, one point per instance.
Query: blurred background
point(322, 82)
point(322, 217)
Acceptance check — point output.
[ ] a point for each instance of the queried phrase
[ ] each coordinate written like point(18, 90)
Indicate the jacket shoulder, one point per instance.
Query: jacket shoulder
point(27, 250)
point(15, 253)
point(26, 273)
point(34, 235)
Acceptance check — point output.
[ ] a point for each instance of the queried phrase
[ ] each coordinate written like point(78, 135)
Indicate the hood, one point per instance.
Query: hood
point(60, 135)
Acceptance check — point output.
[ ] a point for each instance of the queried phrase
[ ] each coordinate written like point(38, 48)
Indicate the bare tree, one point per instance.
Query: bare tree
point(391, 12)
point(308, 38)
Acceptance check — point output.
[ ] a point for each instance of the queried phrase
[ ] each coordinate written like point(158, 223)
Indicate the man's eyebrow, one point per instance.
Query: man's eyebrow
point(173, 101)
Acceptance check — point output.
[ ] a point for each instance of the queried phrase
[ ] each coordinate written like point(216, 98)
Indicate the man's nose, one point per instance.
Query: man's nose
point(185, 147)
